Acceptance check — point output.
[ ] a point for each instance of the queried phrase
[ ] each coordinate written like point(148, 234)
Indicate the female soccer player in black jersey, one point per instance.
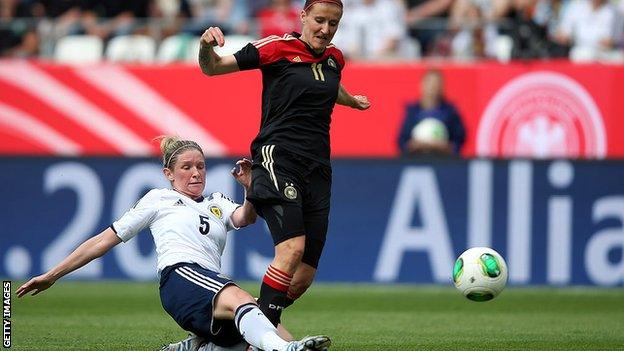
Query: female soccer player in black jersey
point(291, 174)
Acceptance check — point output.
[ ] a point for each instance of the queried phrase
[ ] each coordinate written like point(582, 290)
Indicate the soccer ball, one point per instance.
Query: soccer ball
point(430, 130)
point(480, 273)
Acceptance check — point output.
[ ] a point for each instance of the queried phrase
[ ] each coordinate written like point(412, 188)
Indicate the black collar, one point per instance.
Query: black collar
point(314, 53)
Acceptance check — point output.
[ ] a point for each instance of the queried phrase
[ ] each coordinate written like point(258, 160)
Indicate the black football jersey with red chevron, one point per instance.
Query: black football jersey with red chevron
point(299, 91)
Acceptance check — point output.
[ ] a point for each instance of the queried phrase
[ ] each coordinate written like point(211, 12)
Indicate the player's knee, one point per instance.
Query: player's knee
point(243, 297)
point(229, 299)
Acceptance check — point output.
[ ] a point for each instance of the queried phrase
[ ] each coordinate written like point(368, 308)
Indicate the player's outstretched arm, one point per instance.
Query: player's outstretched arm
point(359, 102)
point(209, 61)
point(85, 253)
point(246, 214)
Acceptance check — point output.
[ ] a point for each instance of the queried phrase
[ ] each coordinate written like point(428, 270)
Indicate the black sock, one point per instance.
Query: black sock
point(289, 302)
point(272, 300)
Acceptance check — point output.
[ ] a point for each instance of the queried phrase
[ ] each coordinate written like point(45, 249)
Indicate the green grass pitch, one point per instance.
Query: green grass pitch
point(128, 316)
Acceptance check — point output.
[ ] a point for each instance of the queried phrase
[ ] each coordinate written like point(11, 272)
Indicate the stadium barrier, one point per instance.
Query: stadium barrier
point(557, 222)
point(538, 109)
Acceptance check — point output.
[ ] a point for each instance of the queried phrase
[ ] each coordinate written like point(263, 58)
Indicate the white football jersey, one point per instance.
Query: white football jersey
point(184, 230)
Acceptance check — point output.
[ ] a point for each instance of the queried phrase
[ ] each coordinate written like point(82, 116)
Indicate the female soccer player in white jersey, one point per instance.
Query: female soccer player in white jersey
point(189, 231)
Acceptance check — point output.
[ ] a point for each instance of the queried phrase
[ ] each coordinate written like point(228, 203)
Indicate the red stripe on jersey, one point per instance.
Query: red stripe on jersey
point(262, 41)
point(273, 49)
point(275, 38)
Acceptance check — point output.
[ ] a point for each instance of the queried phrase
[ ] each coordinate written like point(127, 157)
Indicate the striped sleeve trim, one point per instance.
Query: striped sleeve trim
point(270, 39)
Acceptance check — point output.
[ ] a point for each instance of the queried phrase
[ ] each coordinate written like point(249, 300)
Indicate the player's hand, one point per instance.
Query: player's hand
point(36, 284)
point(213, 36)
point(242, 172)
point(361, 102)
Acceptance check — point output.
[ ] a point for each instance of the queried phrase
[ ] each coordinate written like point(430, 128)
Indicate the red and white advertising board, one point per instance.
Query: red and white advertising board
point(530, 109)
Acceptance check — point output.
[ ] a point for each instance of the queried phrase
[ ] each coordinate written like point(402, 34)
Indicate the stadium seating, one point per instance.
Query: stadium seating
point(503, 46)
point(581, 54)
point(410, 49)
point(79, 49)
point(131, 48)
point(233, 43)
point(193, 50)
point(178, 48)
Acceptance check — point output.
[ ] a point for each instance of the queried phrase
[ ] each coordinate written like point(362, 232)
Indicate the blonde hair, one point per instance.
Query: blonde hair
point(172, 146)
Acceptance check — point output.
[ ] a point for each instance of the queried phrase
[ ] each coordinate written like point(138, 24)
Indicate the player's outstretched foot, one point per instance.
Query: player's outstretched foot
point(192, 343)
point(310, 343)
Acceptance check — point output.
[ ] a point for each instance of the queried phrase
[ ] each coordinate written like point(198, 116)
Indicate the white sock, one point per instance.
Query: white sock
point(256, 328)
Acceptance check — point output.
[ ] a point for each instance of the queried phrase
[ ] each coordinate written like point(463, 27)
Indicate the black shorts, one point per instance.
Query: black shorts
point(292, 194)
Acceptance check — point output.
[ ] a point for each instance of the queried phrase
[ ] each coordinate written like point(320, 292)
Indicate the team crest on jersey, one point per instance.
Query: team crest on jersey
point(331, 62)
point(290, 191)
point(216, 211)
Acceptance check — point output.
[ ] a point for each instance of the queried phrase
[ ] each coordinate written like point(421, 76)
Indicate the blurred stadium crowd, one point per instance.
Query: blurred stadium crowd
point(168, 30)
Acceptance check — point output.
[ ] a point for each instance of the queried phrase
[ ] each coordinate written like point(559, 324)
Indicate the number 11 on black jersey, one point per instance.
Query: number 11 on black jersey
point(318, 71)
